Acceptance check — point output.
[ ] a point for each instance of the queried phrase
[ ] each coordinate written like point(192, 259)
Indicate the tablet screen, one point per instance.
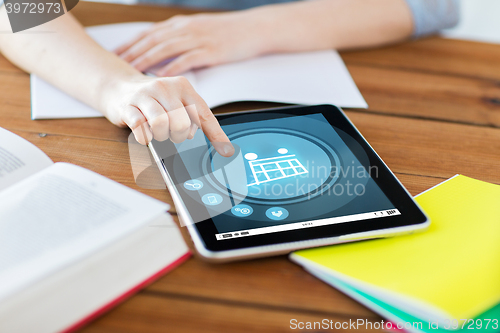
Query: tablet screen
point(289, 172)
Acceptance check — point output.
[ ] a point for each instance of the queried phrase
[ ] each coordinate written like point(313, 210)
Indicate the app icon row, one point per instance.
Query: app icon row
point(241, 210)
point(273, 213)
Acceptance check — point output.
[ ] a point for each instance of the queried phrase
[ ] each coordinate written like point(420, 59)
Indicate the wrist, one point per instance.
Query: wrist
point(293, 27)
point(114, 91)
point(269, 27)
point(276, 27)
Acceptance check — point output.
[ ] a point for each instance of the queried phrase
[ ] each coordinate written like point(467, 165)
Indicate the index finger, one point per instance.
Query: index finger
point(205, 119)
point(211, 127)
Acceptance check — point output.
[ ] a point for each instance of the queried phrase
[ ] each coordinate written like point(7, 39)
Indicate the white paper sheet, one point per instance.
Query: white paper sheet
point(478, 22)
point(300, 78)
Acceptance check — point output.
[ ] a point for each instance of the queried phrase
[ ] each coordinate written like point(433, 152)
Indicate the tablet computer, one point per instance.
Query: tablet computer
point(301, 176)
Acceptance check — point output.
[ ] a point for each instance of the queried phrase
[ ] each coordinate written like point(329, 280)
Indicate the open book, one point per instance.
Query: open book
point(72, 242)
point(300, 78)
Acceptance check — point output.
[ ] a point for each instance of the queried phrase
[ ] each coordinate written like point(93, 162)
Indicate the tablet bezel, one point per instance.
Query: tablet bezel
point(411, 218)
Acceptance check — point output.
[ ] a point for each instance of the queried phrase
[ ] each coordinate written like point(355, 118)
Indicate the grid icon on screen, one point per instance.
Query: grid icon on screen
point(270, 169)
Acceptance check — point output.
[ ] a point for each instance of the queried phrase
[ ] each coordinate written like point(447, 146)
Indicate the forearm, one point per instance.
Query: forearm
point(62, 53)
point(333, 24)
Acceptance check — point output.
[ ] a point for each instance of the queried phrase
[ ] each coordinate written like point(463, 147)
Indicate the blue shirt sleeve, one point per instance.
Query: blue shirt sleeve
point(430, 16)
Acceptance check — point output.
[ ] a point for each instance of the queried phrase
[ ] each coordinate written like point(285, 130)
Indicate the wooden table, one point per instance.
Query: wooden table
point(434, 112)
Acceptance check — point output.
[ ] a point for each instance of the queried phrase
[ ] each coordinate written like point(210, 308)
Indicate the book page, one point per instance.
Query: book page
point(19, 159)
point(309, 78)
point(61, 215)
point(97, 281)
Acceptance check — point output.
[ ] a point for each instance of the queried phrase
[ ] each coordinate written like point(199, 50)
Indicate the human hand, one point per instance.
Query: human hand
point(163, 108)
point(196, 41)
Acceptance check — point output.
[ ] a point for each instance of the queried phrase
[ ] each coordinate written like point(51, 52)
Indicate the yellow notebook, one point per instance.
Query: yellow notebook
point(451, 271)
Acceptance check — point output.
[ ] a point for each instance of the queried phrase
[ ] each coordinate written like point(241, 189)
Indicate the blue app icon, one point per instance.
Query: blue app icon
point(277, 213)
point(242, 210)
point(211, 199)
point(193, 185)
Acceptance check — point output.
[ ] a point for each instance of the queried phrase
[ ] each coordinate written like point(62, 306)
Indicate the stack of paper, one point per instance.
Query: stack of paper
point(447, 277)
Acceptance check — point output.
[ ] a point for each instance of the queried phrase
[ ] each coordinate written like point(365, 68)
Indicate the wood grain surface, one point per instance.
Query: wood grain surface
point(434, 112)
